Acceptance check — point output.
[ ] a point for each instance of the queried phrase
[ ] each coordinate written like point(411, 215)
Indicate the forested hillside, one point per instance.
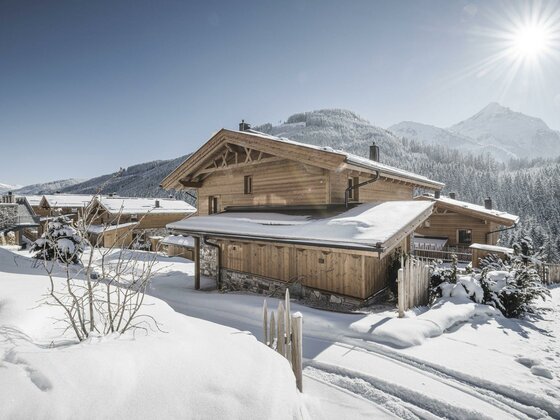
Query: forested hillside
point(530, 189)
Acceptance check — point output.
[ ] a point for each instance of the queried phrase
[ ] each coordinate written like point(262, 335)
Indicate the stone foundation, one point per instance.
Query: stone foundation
point(239, 281)
point(208, 261)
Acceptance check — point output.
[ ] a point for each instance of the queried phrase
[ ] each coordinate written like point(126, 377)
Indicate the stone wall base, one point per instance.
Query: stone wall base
point(240, 281)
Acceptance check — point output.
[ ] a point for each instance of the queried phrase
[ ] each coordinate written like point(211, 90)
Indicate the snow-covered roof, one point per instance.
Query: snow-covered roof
point(126, 205)
point(186, 241)
point(492, 248)
point(68, 200)
point(107, 228)
point(33, 200)
point(501, 216)
point(368, 226)
point(355, 160)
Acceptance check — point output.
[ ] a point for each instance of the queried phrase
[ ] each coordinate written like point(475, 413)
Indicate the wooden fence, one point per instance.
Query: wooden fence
point(550, 273)
point(444, 254)
point(413, 284)
point(284, 334)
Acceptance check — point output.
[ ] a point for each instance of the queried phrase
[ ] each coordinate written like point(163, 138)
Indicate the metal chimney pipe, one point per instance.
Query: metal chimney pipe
point(488, 203)
point(437, 194)
point(452, 195)
point(243, 126)
point(157, 204)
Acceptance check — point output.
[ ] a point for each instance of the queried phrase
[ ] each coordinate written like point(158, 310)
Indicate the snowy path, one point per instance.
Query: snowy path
point(400, 383)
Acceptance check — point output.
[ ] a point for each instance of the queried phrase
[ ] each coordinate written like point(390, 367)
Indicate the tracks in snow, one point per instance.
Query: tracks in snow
point(399, 382)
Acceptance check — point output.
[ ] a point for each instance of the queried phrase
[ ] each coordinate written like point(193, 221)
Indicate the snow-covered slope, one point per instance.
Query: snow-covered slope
point(495, 130)
point(520, 134)
point(7, 187)
point(48, 187)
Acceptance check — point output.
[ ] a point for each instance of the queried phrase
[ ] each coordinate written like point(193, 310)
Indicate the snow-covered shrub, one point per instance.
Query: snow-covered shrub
point(61, 241)
point(515, 286)
point(441, 275)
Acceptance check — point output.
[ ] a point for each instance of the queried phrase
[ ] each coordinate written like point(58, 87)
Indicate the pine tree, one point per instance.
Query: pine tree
point(61, 242)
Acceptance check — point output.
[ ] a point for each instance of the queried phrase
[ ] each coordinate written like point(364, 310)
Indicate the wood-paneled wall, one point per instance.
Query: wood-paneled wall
point(280, 182)
point(447, 224)
point(381, 190)
point(341, 272)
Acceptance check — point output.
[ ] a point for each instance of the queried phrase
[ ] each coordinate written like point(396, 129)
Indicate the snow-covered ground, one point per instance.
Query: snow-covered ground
point(458, 360)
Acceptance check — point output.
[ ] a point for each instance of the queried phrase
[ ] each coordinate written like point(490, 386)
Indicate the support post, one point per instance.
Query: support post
point(196, 263)
point(401, 297)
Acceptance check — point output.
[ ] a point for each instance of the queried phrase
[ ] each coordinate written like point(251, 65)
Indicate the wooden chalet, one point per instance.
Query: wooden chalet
point(460, 224)
point(121, 221)
point(274, 212)
point(69, 205)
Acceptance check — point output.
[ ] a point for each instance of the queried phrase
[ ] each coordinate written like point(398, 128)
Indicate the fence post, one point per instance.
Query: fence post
point(280, 346)
point(272, 332)
point(400, 292)
point(265, 323)
point(297, 348)
point(288, 328)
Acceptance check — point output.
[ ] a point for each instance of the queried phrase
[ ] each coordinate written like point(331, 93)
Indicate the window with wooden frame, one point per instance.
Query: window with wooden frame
point(464, 236)
point(212, 205)
point(353, 192)
point(248, 184)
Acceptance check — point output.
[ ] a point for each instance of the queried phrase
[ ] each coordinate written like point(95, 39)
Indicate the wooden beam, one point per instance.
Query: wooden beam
point(190, 184)
point(196, 263)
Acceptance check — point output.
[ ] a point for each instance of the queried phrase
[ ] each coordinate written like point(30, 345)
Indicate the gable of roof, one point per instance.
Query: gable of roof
point(190, 173)
point(474, 210)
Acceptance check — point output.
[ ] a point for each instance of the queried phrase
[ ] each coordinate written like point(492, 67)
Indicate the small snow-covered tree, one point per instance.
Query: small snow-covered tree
point(61, 241)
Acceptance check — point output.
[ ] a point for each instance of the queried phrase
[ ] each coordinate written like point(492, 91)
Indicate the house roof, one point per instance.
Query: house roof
point(325, 157)
point(370, 227)
point(475, 210)
point(124, 205)
point(66, 200)
point(33, 200)
point(492, 248)
point(97, 229)
point(179, 240)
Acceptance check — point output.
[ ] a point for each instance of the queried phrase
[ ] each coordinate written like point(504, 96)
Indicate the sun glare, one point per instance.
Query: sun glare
point(531, 41)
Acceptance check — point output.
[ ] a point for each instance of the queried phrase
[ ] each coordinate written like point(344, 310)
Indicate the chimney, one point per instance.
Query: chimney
point(243, 126)
point(374, 152)
point(488, 203)
point(171, 196)
point(157, 204)
point(452, 195)
point(437, 194)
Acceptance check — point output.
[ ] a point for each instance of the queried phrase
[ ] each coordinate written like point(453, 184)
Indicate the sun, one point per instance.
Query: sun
point(530, 42)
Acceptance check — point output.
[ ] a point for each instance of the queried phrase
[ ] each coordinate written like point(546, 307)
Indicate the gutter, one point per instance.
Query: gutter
point(218, 259)
point(361, 184)
point(501, 230)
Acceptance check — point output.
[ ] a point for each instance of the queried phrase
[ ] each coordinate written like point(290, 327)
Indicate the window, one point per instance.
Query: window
point(74, 210)
point(353, 193)
point(464, 236)
point(212, 205)
point(248, 184)
point(133, 217)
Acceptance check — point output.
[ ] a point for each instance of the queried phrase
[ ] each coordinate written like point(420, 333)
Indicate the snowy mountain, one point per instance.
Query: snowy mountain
point(522, 135)
point(140, 180)
point(495, 130)
point(7, 187)
point(47, 187)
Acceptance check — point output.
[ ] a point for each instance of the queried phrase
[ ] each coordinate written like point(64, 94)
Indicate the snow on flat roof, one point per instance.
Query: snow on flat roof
point(68, 200)
point(145, 205)
point(366, 225)
point(187, 241)
point(107, 228)
point(353, 159)
point(492, 248)
point(477, 208)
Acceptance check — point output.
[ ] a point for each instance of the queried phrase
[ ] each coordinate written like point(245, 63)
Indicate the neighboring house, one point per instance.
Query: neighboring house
point(17, 216)
point(274, 212)
point(70, 205)
point(132, 220)
point(456, 223)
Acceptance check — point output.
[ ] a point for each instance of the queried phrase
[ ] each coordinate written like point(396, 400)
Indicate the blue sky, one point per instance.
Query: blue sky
point(87, 87)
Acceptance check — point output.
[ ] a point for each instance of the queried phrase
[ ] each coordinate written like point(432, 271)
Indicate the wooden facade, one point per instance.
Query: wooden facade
point(236, 170)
